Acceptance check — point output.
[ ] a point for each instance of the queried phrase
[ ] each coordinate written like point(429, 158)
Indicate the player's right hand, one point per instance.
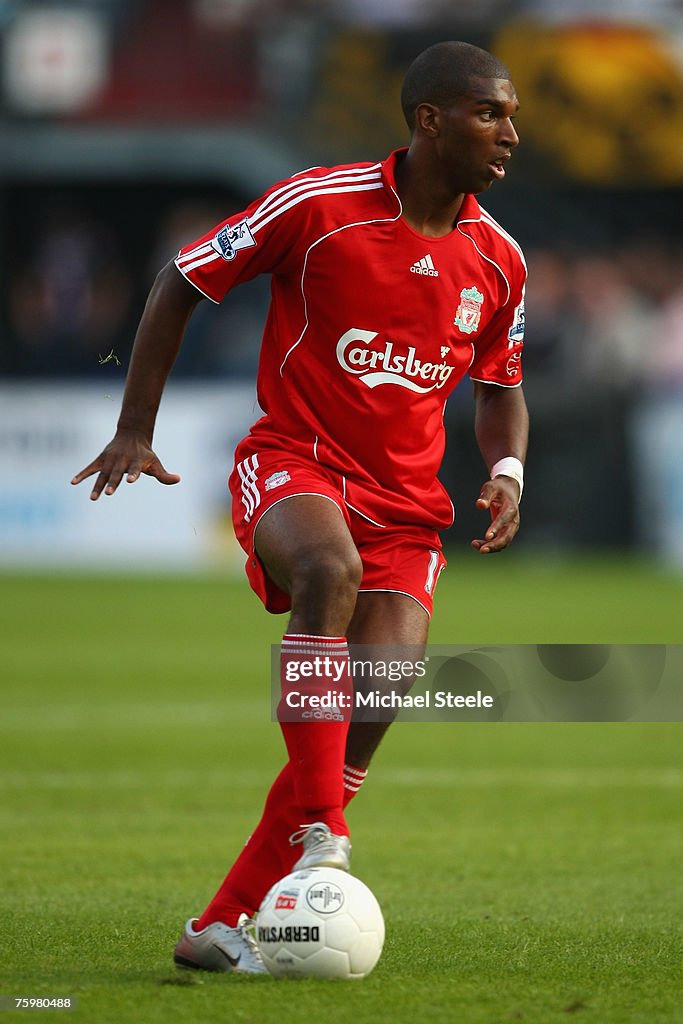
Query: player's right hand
point(129, 455)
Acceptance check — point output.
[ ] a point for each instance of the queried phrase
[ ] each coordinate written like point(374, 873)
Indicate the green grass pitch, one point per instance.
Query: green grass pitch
point(527, 872)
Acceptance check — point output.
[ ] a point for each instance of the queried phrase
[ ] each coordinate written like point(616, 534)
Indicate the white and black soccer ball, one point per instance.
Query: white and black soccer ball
point(320, 923)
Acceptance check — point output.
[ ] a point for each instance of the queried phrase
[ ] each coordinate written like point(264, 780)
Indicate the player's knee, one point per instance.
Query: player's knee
point(327, 578)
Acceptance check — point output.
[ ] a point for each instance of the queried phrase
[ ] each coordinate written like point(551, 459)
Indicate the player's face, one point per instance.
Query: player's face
point(477, 135)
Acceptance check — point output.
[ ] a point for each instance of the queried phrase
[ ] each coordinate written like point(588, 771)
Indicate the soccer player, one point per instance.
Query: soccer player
point(389, 284)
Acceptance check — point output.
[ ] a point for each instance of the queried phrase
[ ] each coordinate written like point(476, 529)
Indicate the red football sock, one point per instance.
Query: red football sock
point(314, 714)
point(353, 780)
point(318, 747)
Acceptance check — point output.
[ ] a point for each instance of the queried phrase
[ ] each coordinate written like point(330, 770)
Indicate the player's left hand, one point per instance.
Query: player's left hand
point(501, 497)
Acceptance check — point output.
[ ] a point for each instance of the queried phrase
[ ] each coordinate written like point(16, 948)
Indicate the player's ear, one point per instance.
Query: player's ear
point(428, 119)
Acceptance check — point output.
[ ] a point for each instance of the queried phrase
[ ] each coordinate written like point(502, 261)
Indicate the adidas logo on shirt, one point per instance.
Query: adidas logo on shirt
point(425, 266)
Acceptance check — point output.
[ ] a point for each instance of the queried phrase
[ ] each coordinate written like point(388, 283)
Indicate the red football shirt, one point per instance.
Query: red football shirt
point(371, 326)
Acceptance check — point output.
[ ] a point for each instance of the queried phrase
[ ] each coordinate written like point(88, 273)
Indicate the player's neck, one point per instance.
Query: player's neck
point(427, 208)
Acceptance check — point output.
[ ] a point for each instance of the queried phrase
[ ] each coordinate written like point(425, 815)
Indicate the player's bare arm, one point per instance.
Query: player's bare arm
point(167, 312)
point(502, 428)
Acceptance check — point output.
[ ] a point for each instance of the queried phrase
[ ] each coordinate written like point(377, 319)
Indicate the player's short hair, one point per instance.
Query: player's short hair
point(442, 72)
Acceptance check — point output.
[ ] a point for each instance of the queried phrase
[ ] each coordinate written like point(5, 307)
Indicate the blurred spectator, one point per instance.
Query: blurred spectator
point(657, 437)
point(291, 48)
point(664, 366)
point(653, 266)
point(612, 323)
point(70, 299)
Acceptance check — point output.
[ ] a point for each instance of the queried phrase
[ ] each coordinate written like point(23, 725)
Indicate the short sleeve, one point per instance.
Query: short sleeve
point(262, 239)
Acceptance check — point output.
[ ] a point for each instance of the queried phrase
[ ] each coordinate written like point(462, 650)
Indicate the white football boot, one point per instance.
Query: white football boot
point(220, 948)
point(322, 848)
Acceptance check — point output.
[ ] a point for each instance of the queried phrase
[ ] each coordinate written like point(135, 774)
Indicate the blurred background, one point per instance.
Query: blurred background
point(129, 128)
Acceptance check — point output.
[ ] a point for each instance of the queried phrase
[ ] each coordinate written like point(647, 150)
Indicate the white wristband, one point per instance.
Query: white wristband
point(510, 466)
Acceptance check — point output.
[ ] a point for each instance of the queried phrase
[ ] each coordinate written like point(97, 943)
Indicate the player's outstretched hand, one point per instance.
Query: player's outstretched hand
point(501, 497)
point(129, 455)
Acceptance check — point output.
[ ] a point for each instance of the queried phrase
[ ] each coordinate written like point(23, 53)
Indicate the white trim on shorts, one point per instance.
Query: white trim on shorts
point(373, 522)
point(433, 571)
point(390, 590)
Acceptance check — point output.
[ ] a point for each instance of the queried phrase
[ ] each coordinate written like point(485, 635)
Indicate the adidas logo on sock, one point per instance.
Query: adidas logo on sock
point(425, 266)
